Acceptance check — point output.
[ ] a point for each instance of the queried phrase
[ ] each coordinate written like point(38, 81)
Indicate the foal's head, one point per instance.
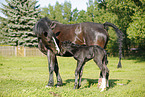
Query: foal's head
point(66, 46)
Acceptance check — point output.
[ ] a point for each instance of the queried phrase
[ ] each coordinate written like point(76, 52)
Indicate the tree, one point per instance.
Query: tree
point(136, 30)
point(58, 12)
point(3, 25)
point(21, 17)
point(51, 12)
point(74, 15)
point(125, 10)
point(45, 12)
point(90, 10)
point(67, 12)
point(82, 16)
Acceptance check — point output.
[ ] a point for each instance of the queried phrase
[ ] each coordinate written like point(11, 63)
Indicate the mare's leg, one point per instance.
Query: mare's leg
point(56, 69)
point(52, 65)
point(77, 72)
point(119, 63)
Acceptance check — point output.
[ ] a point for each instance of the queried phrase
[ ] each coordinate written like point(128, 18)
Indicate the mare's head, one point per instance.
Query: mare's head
point(44, 32)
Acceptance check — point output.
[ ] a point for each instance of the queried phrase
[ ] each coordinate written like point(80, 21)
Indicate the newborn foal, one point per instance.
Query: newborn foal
point(83, 54)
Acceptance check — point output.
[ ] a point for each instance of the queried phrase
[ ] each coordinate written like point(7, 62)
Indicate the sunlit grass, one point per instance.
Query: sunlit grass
point(28, 76)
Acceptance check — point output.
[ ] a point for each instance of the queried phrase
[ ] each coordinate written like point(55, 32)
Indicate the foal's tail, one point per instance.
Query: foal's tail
point(120, 39)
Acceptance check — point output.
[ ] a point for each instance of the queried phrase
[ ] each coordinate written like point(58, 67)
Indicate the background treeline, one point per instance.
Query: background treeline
point(127, 15)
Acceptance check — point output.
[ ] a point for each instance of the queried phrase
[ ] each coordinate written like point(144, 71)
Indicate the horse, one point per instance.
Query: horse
point(82, 54)
point(50, 34)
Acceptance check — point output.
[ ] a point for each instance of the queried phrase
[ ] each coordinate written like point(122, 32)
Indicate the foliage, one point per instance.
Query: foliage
point(136, 29)
point(127, 15)
point(59, 12)
point(27, 76)
point(2, 26)
point(74, 16)
point(21, 15)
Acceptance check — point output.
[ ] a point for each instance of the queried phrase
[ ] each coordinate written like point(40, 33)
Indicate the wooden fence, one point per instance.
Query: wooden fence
point(19, 51)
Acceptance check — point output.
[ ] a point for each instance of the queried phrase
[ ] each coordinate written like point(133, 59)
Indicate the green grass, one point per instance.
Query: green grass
point(28, 76)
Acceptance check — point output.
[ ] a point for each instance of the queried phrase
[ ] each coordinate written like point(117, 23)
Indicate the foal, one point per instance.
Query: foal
point(83, 54)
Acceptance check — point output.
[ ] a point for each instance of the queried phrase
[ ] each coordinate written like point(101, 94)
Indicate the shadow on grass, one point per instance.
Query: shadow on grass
point(137, 58)
point(87, 83)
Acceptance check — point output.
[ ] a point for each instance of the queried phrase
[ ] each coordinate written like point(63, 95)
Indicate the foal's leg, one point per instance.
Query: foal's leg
point(77, 72)
point(100, 80)
point(101, 65)
point(52, 64)
point(103, 84)
point(105, 75)
point(80, 75)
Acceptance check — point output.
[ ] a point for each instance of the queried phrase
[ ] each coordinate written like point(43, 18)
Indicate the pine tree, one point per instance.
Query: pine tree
point(3, 25)
point(21, 17)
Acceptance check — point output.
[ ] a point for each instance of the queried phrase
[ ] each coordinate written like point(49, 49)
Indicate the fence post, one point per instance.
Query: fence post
point(24, 52)
point(15, 50)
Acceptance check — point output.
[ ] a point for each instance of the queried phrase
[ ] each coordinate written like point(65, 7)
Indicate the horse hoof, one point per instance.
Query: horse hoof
point(75, 87)
point(48, 86)
point(102, 84)
point(103, 89)
point(59, 84)
point(99, 83)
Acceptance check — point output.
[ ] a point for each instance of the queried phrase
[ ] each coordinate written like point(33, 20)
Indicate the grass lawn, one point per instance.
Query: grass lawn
point(28, 76)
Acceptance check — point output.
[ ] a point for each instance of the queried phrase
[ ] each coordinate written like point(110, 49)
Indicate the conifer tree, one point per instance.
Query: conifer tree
point(3, 23)
point(21, 17)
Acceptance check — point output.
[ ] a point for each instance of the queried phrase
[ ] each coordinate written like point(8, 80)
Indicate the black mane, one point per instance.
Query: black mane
point(42, 26)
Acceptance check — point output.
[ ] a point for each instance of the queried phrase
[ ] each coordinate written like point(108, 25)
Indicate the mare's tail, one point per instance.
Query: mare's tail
point(120, 40)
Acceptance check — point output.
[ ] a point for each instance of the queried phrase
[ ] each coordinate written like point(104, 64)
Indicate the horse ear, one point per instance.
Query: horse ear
point(69, 41)
point(53, 24)
point(62, 42)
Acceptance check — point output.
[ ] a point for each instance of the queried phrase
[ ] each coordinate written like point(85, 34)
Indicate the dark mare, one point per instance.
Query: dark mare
point(51, 33)
point(82, 54)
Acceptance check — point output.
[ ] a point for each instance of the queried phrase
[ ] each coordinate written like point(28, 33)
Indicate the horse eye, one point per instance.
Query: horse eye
point(45, 34)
